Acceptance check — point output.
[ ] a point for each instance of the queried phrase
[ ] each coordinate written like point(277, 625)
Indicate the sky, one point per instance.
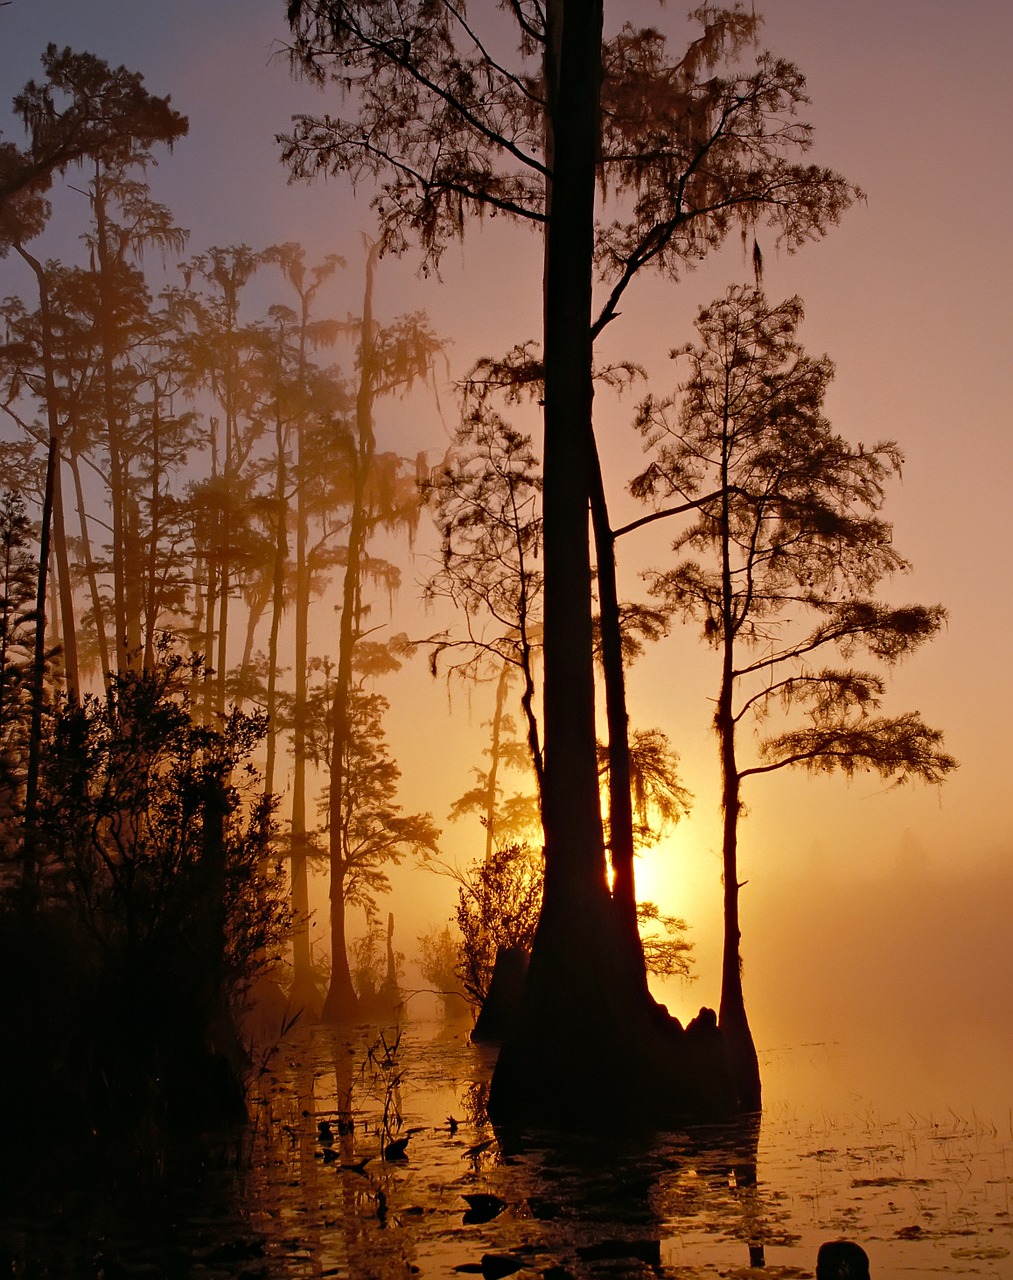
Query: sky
point(870, 911)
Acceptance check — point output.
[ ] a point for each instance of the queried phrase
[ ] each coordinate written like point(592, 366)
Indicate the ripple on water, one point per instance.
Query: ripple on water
point(320, 1191)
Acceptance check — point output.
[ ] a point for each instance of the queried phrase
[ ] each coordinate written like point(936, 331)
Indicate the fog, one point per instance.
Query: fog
point(889, 952)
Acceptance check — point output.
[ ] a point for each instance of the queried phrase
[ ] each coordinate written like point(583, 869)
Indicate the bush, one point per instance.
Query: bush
point(498, 903)
point(159, 905)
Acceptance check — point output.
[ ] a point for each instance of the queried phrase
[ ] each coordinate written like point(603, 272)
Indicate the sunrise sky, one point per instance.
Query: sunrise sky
point(858, 895)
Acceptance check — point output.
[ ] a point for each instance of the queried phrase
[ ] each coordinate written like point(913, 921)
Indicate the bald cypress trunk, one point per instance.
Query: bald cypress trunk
point(589, 1046)
point(732, 1020)
point(341, 1001)
point(569, 996)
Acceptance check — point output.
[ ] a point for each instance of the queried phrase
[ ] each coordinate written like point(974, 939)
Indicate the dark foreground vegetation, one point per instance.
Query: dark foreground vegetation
point(134, 927)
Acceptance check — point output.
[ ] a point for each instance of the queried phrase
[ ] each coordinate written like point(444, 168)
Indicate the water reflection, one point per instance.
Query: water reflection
point(316, 1191)
point(469, 1200)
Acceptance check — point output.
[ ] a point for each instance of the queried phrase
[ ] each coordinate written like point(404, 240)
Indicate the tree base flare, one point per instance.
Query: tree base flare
point(640, 1068)
point(500, 1010)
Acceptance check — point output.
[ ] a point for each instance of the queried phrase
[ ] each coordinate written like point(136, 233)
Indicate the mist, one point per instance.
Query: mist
point(874, 919)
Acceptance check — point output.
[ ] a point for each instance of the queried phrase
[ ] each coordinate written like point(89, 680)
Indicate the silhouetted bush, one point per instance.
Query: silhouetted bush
point(158, 906)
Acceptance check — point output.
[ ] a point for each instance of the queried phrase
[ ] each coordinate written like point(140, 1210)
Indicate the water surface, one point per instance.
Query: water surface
point(318, 1189)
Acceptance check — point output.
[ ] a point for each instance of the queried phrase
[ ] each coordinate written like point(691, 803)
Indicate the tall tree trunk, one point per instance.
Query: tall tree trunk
point(492, 778)
point(30, 864)
point(565, 990)
point(335, 1005)
point(155, 532)
point(256, 606)
point(210, 614)
point(222, 656)
point(134, 574)
point(304, 989)
point(589, 1045)
point(732, 1011)
point(59, 530)
point(574, 846)
point(97, 607)
point(277, 597)
point(212, 537)
point(341, 1002)
point(71, 665)
point(117, 474)
point(303, 986)
point(732, 1018)
point(621, 850)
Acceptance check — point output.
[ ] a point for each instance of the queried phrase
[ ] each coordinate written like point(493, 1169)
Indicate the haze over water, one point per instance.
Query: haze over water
point(875, 922)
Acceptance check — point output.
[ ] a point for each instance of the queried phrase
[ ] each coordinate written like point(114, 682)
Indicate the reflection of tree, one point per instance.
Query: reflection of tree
point(602, 1203)
point(714, 1182)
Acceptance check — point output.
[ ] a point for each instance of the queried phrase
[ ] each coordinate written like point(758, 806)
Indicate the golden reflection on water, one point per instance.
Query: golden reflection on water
point(921, 1191)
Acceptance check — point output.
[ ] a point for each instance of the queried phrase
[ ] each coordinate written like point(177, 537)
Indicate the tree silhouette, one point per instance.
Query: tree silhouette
point(783, 513)
point(498, 903)
point(485, 504)
point(40, 349)
point(158, 844)
point(374, 832)
point(507, 819)
point(448, 129)
point(82, 109)
point(384, 495)
point(18, 624)
point(219, 343)
point(323, 498)
point(288, 405)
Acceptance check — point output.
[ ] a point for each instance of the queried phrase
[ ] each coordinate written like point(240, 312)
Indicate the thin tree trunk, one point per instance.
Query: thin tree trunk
point(341, 1001)
point(494, 753)
point(277, 599)
point(304, 990)
point(55, 638)
point(256, 606)
point(117, 476)
point(732, 1018)
point(210, 608)
point(335, 1006)
point(303, 987)
point(97, 608)
point(55, 434)
point(624, 894)
point(30, 865)
point(151, 590)
point(221, 660)
point(66, 591)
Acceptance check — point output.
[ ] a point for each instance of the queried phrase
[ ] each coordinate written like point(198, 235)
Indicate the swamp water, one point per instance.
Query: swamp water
point(311, 1194)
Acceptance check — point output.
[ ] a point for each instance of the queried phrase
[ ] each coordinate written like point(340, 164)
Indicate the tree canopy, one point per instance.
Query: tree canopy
point(83, 108)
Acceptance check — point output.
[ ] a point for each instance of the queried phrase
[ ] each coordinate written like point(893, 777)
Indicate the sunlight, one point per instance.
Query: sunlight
point(673, 874)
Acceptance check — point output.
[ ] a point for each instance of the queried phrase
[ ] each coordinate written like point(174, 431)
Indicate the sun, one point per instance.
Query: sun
point(682, 876)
